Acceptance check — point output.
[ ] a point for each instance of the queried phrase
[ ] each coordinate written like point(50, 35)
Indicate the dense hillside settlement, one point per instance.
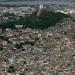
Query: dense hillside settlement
point(37, 40)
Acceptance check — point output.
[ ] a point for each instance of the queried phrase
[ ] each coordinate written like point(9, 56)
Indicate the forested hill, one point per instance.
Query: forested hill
point(43, 21)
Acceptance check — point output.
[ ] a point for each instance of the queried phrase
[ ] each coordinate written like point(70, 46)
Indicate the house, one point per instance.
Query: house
point(71, 42)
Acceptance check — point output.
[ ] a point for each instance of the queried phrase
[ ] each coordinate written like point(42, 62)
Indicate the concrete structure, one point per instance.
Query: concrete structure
point(40, 9)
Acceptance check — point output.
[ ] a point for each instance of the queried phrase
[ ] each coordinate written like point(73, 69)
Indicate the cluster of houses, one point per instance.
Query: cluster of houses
point(16, 11)
point(38, 52)
point(67, 11)
point(36, 47)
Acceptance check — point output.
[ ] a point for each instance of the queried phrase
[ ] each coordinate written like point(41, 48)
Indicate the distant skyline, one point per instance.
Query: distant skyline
point(35, 2)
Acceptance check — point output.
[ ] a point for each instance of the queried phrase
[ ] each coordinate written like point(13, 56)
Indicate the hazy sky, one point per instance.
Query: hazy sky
point(41, 0)
point(36, 0)
point(31, 2)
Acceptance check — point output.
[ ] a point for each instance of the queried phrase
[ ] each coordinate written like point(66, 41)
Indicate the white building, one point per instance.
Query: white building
point(41, 6)
point(66, 11)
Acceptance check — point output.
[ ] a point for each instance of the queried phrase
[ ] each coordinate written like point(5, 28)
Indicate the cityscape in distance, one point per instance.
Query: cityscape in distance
point(37, 37)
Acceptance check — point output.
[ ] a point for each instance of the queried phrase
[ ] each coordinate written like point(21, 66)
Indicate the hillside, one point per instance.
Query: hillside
point(43, 21)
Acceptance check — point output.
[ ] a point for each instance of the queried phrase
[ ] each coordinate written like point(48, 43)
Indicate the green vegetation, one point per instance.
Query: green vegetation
point(18, 46)
point(32, 43)
point(23, 73)
point(45, 20)
point(8, 14)
point(1, 48)
point(11, 69)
